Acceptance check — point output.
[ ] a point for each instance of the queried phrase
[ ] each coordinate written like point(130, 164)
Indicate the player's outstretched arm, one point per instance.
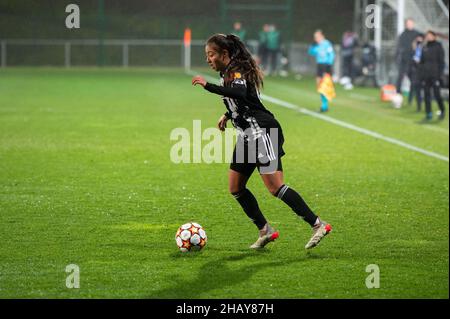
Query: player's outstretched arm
point(234, 92)
point(199, 80)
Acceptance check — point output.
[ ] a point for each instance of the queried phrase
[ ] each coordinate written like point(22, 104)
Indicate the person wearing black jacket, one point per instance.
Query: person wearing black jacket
point(413, 74)
point(431, 68)
point(369, 61)
point(405, 51)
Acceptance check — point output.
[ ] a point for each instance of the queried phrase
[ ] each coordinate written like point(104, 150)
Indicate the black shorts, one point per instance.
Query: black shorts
point(264, 153)
point(322, 69)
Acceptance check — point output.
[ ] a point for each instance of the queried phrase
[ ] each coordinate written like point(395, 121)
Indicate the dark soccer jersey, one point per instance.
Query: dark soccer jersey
point(244, 106)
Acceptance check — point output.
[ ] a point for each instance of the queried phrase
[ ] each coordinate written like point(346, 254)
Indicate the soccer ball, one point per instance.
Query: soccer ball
point(397, 101)
point(191, 237)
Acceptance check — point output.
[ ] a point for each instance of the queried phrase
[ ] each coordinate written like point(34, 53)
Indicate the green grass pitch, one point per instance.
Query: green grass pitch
point(86, 179)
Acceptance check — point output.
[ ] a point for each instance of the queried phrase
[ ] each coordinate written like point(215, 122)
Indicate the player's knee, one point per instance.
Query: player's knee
point(235, 189)
point(273, 189)
point(237, 193)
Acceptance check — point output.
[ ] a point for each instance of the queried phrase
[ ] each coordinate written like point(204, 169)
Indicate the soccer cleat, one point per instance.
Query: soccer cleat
point(266, 235)
point(319, 232)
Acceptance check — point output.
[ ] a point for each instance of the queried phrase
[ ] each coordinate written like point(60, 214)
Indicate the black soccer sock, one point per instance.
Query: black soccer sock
point(251, 208)
point(296, 202)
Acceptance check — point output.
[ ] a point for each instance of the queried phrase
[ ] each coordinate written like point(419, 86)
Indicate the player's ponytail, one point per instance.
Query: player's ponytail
point(241, 59)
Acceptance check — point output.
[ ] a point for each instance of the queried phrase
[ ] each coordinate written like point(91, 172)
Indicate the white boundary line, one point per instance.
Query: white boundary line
point(342, 124)
point(368, 99)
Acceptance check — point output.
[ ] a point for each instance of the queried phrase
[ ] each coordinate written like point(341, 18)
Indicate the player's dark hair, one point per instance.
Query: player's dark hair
point(241, 59)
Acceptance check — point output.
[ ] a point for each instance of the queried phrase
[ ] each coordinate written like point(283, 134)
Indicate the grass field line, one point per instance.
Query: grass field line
point(349, 126)
point(362, 97)
point(355, 128)
point(341, 102)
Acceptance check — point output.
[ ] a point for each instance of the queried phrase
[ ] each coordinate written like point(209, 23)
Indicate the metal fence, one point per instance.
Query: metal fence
point(155, 53)
point(86, 52)
point(125, 53)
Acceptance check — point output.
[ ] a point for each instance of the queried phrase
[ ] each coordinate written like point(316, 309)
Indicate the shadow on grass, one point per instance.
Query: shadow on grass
point(224, 273)
point(432, 122)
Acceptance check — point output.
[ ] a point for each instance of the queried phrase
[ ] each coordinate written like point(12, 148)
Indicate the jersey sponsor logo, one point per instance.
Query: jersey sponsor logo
point(237, 79)
point(239, 82)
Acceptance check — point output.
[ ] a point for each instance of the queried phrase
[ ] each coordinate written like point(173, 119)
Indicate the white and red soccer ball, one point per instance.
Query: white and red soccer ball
point(191, 237)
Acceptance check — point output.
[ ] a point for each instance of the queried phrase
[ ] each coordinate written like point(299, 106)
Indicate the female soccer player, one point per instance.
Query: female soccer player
point(259, 131)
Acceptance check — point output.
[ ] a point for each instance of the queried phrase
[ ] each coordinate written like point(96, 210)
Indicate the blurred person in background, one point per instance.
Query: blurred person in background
point(413, 73)
point(273, 46)
point(405, 51)
point(348, 46)
point(262, 45)
point(431, 69)
point(369, 64)
point(239, 31)
point(284, 63)
point(323, 51)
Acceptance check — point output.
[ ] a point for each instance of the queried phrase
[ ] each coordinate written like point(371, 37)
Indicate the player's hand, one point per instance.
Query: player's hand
point(222, 124)
point(199, 80)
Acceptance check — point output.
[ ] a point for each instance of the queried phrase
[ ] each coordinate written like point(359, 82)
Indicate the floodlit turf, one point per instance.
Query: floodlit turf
point(86, 179)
